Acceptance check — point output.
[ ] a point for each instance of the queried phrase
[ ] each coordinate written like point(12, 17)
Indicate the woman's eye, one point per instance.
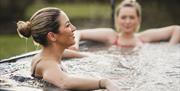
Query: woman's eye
point(131, 17)
point(123, 17)
point(67, 25)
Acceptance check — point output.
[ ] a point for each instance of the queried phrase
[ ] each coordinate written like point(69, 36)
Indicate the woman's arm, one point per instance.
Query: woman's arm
point(99, 34)
point(54, 75)
point(171, 33)
point(73, 54)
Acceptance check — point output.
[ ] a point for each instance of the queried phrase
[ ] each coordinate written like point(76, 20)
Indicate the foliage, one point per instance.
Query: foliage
point(75, 10)
point(11, 45)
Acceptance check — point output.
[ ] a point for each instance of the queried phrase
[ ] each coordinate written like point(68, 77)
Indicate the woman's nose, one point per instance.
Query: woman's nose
point(127, 20)
point(73, 28)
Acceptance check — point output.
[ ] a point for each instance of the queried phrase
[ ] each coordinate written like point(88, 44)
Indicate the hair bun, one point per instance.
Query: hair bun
point(24, 29)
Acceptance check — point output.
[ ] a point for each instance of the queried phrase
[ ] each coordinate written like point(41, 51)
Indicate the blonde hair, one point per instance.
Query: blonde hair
point(128, 3)
point(43, 21)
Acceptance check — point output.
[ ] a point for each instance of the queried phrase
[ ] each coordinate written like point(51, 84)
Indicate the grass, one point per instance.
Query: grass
point(77, 10)
point(11, 45)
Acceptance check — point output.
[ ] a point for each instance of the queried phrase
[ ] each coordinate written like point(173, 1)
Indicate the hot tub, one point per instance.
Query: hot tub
point(153, 67)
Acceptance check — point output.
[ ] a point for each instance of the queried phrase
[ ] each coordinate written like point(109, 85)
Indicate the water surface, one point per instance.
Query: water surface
point(153, 67)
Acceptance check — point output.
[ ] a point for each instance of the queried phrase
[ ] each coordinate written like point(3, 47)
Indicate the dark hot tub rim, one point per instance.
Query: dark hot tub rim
point(28, 54)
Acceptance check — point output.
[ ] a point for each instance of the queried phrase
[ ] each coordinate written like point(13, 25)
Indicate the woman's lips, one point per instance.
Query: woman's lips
point(73, 36)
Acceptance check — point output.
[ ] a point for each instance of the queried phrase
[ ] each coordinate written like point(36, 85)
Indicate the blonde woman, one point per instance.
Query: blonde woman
point(128, 21)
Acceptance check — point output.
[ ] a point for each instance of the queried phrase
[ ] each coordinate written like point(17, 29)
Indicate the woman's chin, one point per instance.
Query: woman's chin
point(72, 43)
point(128, 31)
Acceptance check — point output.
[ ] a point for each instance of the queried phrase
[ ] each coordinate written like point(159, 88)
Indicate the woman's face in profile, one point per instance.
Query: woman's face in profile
point(66, 31)
point(128, 20)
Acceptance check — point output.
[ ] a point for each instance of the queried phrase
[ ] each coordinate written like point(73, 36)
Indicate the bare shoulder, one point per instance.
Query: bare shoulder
point(40, 63)
point(34, 60)
point(112, 35)
point(49, 68)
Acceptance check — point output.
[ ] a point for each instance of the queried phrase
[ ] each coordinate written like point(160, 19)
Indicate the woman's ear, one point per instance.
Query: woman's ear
point(51, 36)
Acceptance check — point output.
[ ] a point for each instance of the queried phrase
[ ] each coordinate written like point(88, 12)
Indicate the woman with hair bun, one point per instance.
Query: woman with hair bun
point(127, 22)
point(51, 28)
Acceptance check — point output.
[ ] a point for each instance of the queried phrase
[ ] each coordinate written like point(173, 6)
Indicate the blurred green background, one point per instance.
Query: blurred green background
point(82, 13)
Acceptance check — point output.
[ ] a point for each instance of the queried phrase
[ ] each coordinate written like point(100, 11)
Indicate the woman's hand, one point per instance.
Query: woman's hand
point(109, 85)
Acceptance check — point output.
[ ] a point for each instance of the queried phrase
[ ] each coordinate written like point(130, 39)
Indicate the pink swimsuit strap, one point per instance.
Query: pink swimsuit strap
point(117, 43)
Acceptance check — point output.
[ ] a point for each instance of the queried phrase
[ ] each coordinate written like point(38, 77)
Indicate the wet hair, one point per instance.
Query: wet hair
point(43, 21)
point(129, 3)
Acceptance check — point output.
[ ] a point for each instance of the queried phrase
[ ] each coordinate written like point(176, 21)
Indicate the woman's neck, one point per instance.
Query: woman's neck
point(52, 52)
point(127, 35)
